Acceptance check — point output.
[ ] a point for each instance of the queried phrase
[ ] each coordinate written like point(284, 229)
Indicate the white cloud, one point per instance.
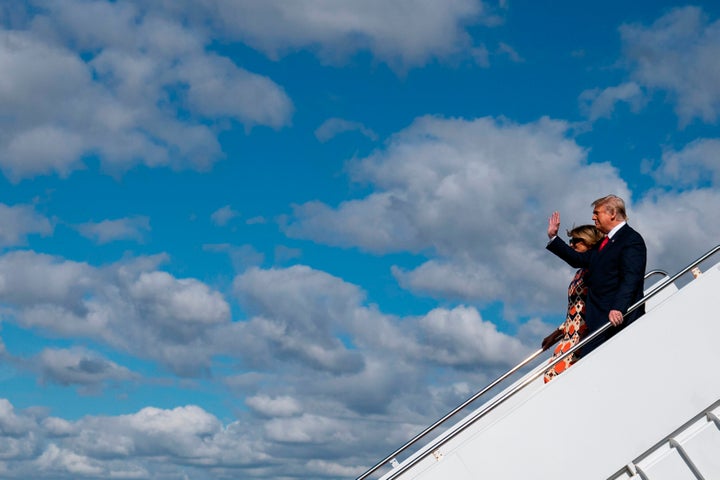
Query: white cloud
point(676, 216)
point(78, 367)
point(283, 406)
point(186, 300)
point(597, 103)
point(474, 197)
point(60, 460)
point(315, 357)
point(219, 88)
point(223, 215)
point(186, 435)
point(299, 317)
point(510, 52)
point(461, 338)
point(128, 306)
point(678, 226)
point(114, 79)
point(311, 298)
point(283, 253)
point(259, 220)
point(41, 149)
point(10, 422)
point(106, 231)
point(695, 165)
point(19, 221)
point(300, 312)
point(302, 321)
point(451, 279)
point(190, 420)
point(471, 199)
point(402, 33)
point(678, 53)
point(332, 127)
point(242, 256)
point(333, 469)
point(307, 429)
point(151, 443)
point(27, 279)
point(17, 438)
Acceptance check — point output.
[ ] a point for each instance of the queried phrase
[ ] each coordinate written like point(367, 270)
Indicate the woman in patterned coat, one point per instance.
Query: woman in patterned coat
point(573, 329)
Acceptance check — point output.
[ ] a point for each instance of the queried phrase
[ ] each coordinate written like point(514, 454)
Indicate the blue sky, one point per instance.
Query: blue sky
point(277, 239)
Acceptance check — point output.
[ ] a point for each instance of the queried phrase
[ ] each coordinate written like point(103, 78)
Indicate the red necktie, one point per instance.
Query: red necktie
point(604, 242)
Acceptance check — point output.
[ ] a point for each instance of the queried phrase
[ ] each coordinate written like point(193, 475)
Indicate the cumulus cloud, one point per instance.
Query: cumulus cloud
point(695, 165)
point(318, 358)
point(223, 215)
point(17, 439)
point(241, 256)
point(686, 193)
point(474, 197)
point(128, 306)
point(12, 423)
point(402, 33)
point(671, 247)
point(284, 254)
point(64, 461)
point(28, 278)
point(597, 103)
point(309, 321)
point(156, 441)
point(301, 321)
point(677, 54)
point(114, 79)
point(106, 231)
point(471, 198)
point(462, 338)
point(283, 406)
point(335, 126)
point(300, 312)
point(78, 367)
point(19, 221)
point(150, 443)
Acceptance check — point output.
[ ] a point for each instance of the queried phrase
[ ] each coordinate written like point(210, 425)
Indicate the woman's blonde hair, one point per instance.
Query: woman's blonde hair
point(589, 234)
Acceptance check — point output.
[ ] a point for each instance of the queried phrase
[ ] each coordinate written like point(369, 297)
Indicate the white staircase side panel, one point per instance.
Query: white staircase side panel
point(703, 448)
point(669, 465)
point(699, 440)
point(607, 409)
point(660, 297)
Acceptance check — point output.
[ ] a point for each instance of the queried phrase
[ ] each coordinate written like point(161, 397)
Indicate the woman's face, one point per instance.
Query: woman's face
point(578, 244)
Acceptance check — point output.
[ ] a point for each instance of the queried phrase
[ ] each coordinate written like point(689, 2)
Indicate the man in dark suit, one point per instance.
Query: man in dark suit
point(616, 268)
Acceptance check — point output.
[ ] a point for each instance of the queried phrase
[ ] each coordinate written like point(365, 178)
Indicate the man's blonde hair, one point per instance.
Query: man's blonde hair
point(612, 204)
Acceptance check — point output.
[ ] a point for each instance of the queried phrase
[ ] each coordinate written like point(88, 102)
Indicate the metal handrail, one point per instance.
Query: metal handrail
point(529, 378)
point(467, 402)
point(656, 272)
point(450, 414)
point(705, 412)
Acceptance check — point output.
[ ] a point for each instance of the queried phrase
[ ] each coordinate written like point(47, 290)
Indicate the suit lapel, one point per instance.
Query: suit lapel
point(617, 237)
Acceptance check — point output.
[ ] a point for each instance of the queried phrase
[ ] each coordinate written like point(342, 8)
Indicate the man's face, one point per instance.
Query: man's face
point(604, 221)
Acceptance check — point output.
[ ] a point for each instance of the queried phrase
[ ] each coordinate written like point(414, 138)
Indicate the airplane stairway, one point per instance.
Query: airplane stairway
point(690, 453)
point(642, 406)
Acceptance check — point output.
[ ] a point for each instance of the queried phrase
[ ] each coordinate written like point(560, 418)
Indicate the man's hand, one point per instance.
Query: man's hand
point(615, 317)
point(553, 225)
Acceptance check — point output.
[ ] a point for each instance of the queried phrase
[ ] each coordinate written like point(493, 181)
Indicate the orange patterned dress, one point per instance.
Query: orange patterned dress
point(574, 328)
